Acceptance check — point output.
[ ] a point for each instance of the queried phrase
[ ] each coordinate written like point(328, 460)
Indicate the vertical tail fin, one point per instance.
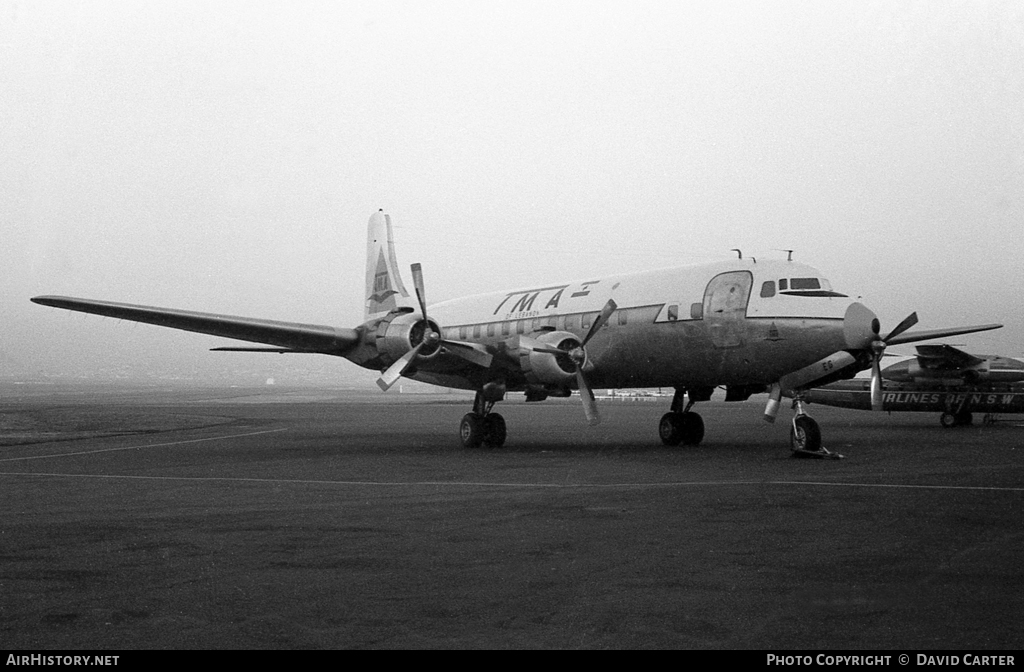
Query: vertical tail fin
point(384, 288)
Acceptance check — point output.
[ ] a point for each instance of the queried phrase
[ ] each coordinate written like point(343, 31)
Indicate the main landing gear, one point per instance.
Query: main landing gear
point(481, 427)
point(681, 425)
point(805, 435)
point(958, 419)
point(957, 414)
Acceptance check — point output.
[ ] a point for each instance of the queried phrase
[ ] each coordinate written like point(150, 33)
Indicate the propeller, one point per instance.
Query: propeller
point(431, 340)
point(578, 356)
point(877, 348)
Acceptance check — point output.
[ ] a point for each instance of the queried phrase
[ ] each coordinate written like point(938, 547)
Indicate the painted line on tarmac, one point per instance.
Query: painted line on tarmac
point(482, 484)
point(148, 445)
point(899, 485)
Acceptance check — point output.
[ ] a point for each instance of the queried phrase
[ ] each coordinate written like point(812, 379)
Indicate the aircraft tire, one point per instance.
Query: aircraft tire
point(670, 429)
point(947, 420)
point(471, 430)
point(494, 430)
point(805, 435)
point(692, 428)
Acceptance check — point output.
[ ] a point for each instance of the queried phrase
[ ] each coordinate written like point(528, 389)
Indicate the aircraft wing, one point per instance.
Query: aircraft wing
point(913, 336)
point(945, 357)
point(287, 336)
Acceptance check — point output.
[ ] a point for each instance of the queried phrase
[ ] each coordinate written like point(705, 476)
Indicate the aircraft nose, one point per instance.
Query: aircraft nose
point(860, 326)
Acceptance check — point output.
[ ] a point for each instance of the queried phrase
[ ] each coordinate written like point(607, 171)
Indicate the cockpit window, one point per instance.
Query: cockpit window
point(768, 289)
point(804, 283)
point(783, 285)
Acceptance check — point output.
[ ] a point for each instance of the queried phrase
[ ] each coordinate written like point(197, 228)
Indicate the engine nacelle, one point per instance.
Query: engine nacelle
point(544, 368)
point(398, 333)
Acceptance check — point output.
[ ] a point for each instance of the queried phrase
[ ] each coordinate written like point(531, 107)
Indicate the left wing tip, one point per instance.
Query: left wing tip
point(47, 300)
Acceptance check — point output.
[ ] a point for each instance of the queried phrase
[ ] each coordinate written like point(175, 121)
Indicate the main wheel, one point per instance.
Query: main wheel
point(692, 428)
point(494, 430)
point(685, 428)
point(472, 430)
point(948, 420)
point(805, 434)
point(670, 429)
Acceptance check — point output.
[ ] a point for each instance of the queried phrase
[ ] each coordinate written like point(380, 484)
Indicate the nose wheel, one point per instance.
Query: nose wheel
point(805, 435)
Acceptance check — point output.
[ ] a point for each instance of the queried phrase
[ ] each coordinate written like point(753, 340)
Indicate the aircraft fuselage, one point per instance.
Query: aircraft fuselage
point(921, 398)
point(725, 323)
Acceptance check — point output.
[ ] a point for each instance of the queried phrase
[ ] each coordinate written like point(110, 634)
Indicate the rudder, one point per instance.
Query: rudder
point(384, 288)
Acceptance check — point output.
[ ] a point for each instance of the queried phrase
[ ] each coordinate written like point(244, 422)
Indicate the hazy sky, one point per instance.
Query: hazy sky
point(225, 157)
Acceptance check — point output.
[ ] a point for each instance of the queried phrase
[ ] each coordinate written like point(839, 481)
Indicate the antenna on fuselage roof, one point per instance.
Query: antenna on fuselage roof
point(789, 254)
point(737, 251)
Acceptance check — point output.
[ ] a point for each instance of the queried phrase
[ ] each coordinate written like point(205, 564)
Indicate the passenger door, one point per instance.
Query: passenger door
point(725, 307)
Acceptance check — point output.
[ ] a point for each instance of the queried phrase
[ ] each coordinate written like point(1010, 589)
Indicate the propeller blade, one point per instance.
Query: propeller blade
point(771, 409)
point(606, 312)
point(589, 403)
point(907, 323)
point(913, 337)
point(421, 292)
point(876, 385)
point(395, 371)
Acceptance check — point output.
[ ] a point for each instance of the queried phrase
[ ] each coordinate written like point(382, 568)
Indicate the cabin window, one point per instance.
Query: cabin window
point(783, 285)
point(520, 326)
point(768, 289)
point(476, 331)
point(570, 323)
point(506, 328)
point(696, 311)
point(623, 317)
point(586, 322)
point(463, 333)
point(491, 328)
point(536, 324)
point(673, 312)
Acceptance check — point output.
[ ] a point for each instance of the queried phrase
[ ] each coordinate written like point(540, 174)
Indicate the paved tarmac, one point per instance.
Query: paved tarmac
point(268, 518)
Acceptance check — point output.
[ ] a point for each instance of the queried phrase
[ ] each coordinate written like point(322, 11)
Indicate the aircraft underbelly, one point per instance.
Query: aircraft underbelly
point(689, 353)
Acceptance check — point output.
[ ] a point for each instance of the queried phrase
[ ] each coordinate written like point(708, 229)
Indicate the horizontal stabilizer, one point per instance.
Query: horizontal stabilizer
point(286, 335)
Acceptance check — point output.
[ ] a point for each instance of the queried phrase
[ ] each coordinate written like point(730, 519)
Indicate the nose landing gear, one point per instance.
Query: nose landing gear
point(805, 435)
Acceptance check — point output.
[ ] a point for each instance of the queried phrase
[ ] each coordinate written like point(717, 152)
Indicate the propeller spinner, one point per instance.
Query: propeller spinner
point(578, 356)
point(877, 350)
point(430, 341)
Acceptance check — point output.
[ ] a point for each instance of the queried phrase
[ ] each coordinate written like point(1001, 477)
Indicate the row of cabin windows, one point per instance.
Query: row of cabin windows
point(789, 284)
point(561, 322)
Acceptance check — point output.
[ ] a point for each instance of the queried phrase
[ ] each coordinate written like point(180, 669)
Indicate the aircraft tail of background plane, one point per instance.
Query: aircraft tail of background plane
point(384, 289)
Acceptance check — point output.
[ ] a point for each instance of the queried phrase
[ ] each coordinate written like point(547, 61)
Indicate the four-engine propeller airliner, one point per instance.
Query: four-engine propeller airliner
point(749, 325)
point(940, 379)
